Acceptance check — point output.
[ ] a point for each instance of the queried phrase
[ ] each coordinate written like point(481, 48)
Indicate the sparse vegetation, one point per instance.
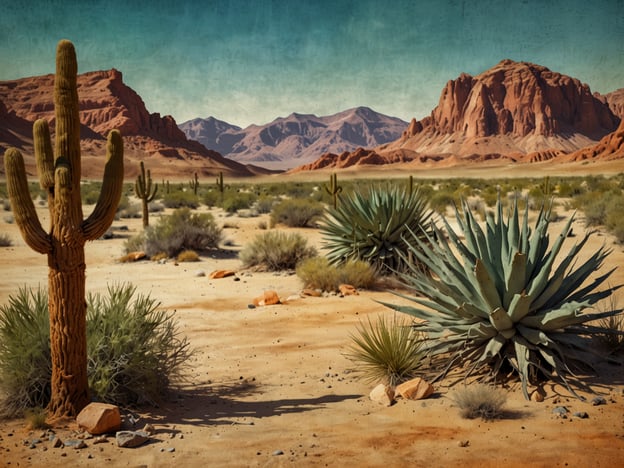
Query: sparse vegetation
point(276, 250)
point(296, 212)
point(386, 350)
point(478, 400)
point(318, 273)
point(188, 256)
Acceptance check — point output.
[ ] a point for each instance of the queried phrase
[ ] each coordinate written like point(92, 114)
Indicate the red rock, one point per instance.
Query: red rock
point(347, 290)
point(99, 418)
point(414, 389)
point(217, 274)
point(268, 298)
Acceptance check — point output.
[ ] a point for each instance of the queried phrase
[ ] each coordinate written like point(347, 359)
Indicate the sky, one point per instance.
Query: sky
point(252, 61)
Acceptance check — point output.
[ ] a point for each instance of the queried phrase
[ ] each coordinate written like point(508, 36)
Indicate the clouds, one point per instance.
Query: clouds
point(248, 61)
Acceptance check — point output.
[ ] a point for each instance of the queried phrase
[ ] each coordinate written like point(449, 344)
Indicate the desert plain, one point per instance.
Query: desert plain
point(270, 386)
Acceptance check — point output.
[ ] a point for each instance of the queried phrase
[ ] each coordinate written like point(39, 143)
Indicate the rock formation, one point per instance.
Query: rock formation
point(107, 103)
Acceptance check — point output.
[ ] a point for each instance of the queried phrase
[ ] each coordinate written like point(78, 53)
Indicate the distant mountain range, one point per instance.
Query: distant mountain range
point(515, 112)
point(297, 139)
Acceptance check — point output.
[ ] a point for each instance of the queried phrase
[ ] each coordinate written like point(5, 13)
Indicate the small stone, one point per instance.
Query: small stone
point(268, 298)
point(200, 273)
point(581, 415)
point(171, 449)
point(415, 389)
point(537, 396)
point(100, 439)
point(251, 306)
point(131, 439)
point(77, 444)
point(149, 429)
point(383, 394)
point(57, 443)
point(311, 292)
point(463, 443)
point(348, 290)
point(278, 452)
point(561, 411)
point(218, 274)
point(599, 401)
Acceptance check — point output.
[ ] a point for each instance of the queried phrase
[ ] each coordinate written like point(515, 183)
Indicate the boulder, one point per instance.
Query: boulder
point(99, 418)
point(131, 439)
point(382, 394)
point(415, 389)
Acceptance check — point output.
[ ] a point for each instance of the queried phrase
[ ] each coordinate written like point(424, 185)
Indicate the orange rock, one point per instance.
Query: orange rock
point(217, 274)
point(415, 389)
point(268, 298)
point(347, 290)
point(99, 418)
point(311, 292)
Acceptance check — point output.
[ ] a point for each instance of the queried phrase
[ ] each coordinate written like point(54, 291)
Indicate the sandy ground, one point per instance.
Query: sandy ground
point(270, 386)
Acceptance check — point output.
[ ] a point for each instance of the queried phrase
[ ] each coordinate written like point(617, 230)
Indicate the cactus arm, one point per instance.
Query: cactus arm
point(22, 204)
point(104, 212)
point(44, 155)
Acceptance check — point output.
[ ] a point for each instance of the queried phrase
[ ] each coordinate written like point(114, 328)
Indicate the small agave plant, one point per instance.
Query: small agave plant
point(499, 296)
point(372, 225)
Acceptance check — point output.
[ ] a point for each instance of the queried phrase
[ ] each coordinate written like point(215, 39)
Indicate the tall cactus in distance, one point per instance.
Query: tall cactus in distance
point(220, 186)
point(194, 184)
point(143, 190)
point(333, 188)
point(59, 175)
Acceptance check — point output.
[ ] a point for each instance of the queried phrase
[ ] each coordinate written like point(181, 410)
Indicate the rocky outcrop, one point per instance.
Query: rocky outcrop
point(609, 148)
point(107, 103)
point(359, 157)
point(615, 101)
point(297, 139)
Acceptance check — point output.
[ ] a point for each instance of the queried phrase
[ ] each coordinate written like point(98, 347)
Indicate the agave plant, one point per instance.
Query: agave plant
point(498, 296)
point(371, 225)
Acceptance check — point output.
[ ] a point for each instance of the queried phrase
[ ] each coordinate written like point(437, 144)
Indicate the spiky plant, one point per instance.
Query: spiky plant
point(498, 295)
point(386, 350)
point(371, 225)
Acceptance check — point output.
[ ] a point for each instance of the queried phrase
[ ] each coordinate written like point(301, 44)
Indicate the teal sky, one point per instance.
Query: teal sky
point(251, 61)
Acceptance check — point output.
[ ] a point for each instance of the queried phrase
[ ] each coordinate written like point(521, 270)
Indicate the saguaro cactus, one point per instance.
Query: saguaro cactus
point(59, 175)
point(220, 186)
point(333, 188)
point(194, 183)
point(143, 190)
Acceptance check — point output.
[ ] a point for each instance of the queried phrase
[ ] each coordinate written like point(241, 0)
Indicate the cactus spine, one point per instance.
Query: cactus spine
point(143, 190)
point(194, 184)
point(59, 175)
point(333, 189)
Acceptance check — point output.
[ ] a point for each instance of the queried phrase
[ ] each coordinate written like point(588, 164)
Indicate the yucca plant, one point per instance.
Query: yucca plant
point(386, 350)
point(371, 224)
point(498, 296)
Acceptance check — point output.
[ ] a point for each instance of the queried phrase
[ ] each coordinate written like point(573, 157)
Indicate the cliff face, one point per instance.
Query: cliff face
point(107, 103)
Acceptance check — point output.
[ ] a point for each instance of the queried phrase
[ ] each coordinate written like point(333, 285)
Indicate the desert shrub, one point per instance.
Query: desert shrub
point(132, 211)
point(264, 204)
point(36, 418)
point(187, 256)
point(386, 351)
point(513, 306)
point(180, 199)
point(5, 240)
point(25, 366)
point(124, 203)
point(611, 334)
point(211, 198)
point(90, 192)
point(297, 212)
point(614, 217)
point(440, 201)
point(570, 188)
point(318, 273)
point(134, 243)
point(182, 230)
point(371, 225)
point(135, 352)
point(276, 250)
point(479, 400)
point(238, 201)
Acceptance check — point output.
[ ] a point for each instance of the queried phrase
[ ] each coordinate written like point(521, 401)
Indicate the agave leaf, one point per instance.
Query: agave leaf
point(566, 315)
point(522, 357)
point(487, 286)
point(492, 348)
point(500, 319)
point(516, 279)
point(519, 307)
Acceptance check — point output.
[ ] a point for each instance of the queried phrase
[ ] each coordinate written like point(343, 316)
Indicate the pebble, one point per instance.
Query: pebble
point(599, 401)
point(278, 452)
point(581, 415)
point(561, 411)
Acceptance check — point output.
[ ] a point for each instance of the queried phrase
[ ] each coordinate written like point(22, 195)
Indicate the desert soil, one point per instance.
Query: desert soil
point(270, 386)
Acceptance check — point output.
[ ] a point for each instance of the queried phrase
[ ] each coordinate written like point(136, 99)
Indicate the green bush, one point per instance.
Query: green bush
point(386, 351)
point(180, 199)
point(238, 201)
point(276, 250)
point(318, 273)
point(297, 212)
point(135, 352)
point(182, 230)
point(371, 225)
point(498, 301)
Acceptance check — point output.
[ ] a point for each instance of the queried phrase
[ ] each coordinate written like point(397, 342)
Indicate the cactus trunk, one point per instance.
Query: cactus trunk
point(59, 175)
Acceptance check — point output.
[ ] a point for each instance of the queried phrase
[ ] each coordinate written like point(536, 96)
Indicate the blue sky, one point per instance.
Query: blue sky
point(251, 61)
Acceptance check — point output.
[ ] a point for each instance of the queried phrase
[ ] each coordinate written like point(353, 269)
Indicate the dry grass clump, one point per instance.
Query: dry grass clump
point(318, 273)
point(386, 351)
point(276, 250)
point(188, 256)
point(479, 400)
